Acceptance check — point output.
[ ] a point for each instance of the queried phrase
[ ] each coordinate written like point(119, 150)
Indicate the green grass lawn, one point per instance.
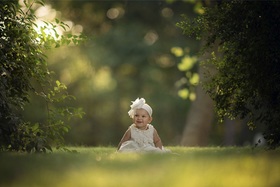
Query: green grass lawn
point(102, 166)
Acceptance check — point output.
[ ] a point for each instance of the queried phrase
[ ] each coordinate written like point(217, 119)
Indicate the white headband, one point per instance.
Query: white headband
point(137, 104)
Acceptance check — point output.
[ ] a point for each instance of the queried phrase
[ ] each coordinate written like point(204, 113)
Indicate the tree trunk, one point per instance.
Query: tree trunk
point(201, 114)
point(199, 119)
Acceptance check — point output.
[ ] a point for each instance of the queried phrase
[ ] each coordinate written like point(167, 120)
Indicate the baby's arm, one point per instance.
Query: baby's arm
point(157, 140)
point(126, 137)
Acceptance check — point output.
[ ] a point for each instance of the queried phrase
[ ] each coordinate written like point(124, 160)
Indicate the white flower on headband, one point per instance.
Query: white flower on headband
point(137, 104)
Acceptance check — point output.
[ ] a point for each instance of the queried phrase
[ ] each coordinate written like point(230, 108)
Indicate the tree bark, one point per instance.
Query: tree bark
point(199, 119)
point(201, 114)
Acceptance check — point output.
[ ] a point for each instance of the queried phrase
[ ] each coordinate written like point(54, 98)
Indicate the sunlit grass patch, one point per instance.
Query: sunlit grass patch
point(102, 166)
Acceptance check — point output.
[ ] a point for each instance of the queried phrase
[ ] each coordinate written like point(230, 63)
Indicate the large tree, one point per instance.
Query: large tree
point(247, 82)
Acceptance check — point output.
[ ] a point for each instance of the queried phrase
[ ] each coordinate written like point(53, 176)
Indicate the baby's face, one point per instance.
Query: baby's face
point(141, 119)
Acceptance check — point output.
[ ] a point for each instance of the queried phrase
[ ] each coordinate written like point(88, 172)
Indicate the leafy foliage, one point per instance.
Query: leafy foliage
point(23, 64)
point(188, 64)
point(246, 84)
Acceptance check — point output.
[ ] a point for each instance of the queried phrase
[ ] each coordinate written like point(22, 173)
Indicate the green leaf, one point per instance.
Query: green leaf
point(57, 21)
point(35, 127)
point(65, 129)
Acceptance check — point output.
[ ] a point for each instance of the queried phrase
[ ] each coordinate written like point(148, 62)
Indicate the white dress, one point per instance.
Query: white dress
point(141, 141)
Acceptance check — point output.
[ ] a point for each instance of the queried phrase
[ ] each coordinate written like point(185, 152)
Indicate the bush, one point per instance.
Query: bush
point(23, 65)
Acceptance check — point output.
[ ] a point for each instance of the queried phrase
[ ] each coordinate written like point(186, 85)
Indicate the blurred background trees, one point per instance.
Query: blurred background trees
point(127, 56)
point(134, 49)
